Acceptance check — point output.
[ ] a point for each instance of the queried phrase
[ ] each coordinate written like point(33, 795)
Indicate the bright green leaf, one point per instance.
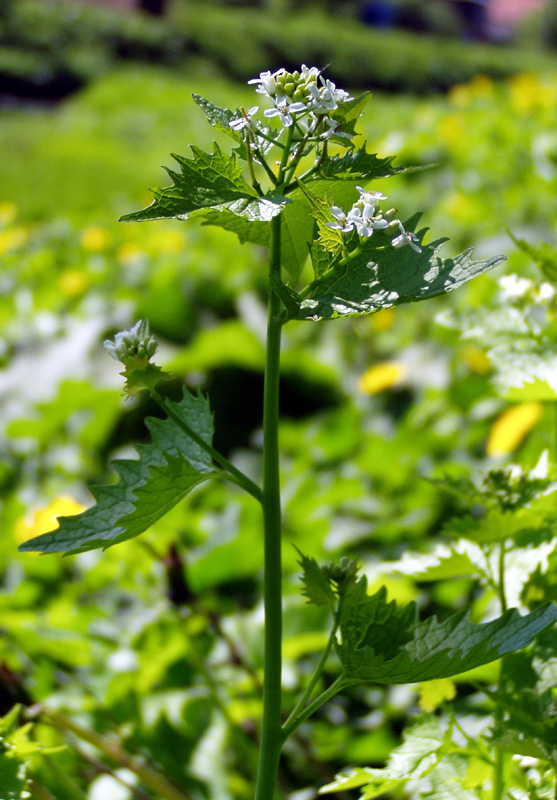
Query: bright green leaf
point(317, 587)
point(386, 644)
point(209, 181)
point(380, 277)
point(147, 488)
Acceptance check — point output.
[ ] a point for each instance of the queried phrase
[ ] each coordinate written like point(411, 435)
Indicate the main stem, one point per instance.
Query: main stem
point(271, 739)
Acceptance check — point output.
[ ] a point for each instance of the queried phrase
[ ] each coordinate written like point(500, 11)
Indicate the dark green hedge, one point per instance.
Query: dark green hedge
point(48, 47)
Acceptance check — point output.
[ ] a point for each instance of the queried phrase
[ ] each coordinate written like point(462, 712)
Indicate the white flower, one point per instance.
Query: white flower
point(244, 120)
point(267, 82)
point(514, 287)
point(344, 224)
point(373, 198)
point(365, 221)
point(327, 97)
point(284, 110)
point(307, 73)
point(546, 293)
point(406, 237)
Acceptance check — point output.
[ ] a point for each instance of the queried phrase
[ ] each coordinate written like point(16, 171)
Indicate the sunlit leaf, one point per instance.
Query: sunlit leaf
point(384, 643)
point(379, 276)
point(209, 181)
point(165, 472)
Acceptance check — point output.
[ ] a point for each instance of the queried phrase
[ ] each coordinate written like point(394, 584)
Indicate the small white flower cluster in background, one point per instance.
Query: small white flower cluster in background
point(134, 345)
point(302, 95)
point(514, 289)
point(365, 217)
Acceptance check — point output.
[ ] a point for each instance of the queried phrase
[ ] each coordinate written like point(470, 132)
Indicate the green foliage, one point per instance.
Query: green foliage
point(209, 181)
point(165, 472)
point(42, 43)
point(377, 277)
point(125, 644)
point(15, 750)
point(381, 642)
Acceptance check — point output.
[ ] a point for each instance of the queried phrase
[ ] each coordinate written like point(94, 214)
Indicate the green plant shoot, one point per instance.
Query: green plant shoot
point(295, 182)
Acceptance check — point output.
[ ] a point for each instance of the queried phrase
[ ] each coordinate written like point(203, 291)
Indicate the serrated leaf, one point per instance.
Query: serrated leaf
point(317, 588)
point(359, 165)
point(165, 472)
point(386, 644)
point(329, 239)
point(219, 118)
point(442, 563)
point(209, 181)
point(380, 277)
point(413, 759)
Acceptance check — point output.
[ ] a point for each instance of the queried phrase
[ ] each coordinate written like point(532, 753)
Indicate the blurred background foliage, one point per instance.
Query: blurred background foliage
point(93, 100)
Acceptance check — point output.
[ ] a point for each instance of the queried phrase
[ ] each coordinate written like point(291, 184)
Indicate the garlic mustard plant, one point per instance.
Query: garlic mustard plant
point(294, 170)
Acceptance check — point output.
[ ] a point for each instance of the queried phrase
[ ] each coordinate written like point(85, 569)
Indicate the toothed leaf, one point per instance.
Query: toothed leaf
point(147, 487)
point(208, 181)
point(383, 643)
point(317, 588)
point(380, 277)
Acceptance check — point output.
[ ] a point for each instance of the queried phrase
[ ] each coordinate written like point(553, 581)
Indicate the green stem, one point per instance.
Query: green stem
point(234, 474)
point(302, 702)
point(502, 592)
point(112, 748)
point(498, 767)
point(333, 689)
point(271, 738)
point(265, 165)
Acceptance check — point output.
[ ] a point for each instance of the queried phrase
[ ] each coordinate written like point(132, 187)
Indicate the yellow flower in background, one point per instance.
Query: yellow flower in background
point(8, 212)
point(12, 239)
point(383, 376)
point(95, 239)
point(73, 282)
point(463, 93)
point(452, 130)
point(459, 94)
point(528, 93)
point(45, 520)
point(383, 320)
point(129, 254)
point(476, 360)
point(510, 428)
point(481, 85)
point(435, 692)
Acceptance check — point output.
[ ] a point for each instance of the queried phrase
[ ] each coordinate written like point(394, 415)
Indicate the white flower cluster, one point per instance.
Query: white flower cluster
point(137, 344)
point(366, 217)
point(514, 289)
point(302, 95)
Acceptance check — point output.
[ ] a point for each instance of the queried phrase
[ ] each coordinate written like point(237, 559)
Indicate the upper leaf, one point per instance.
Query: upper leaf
point(148, 487)
point(387, 644)
point(378, 276)
point(359, 165)
point(209, 181)
point(220, 118)
point(317, 587)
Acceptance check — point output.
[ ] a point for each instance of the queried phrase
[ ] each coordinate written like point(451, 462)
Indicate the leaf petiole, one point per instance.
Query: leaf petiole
point(292, 722)
point(234, 474)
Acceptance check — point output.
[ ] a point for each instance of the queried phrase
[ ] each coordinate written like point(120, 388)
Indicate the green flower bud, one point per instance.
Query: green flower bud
point(133, 347)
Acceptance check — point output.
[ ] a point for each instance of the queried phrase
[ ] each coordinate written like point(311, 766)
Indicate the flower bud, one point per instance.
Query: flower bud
point(133, 347)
